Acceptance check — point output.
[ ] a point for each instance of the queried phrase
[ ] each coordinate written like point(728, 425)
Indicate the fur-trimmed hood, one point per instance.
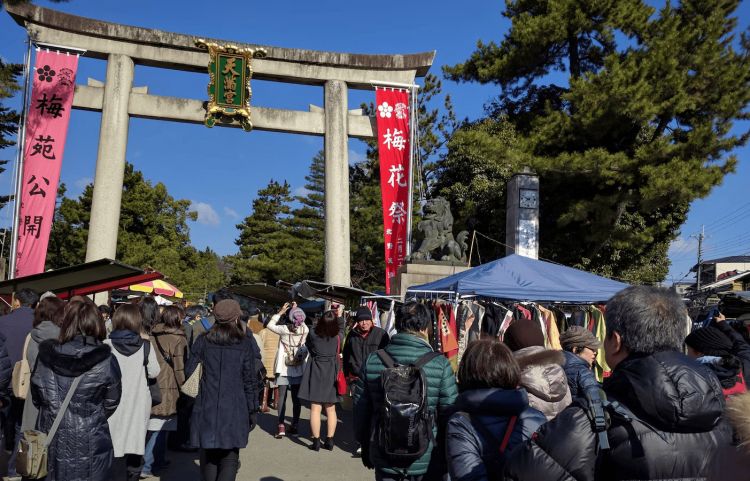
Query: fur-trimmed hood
point(544, 379)
point(74, 357)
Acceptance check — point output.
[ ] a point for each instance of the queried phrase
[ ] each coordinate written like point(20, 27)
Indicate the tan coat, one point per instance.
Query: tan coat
point(269, 347)
point(174, 343)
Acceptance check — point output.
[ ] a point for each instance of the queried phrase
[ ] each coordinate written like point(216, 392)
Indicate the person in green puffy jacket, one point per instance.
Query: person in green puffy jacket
point(412, 323)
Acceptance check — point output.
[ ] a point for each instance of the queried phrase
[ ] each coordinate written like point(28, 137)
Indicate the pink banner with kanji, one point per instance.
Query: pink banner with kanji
point(393, 148)
point(46, 129)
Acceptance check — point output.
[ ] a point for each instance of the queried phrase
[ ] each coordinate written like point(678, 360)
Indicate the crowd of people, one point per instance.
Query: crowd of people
point(121, 385)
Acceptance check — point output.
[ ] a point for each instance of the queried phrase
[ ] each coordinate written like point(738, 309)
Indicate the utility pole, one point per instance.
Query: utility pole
point(700, 238)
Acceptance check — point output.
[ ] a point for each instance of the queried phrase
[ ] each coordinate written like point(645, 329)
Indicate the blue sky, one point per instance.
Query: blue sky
point(220, 170)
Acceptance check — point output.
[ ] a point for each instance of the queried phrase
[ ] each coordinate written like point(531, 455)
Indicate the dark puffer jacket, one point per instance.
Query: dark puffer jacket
point(228, 393)
point(467, 448)
point(82, 447)
point(676, 405)
point(579, 374)
point(441, 393)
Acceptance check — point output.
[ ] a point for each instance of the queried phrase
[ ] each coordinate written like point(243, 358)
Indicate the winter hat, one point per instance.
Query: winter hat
point(579, 337)
point(523, 333)
point(710, 341)
point(297, 316)
point(227, 310)
point(363, 314)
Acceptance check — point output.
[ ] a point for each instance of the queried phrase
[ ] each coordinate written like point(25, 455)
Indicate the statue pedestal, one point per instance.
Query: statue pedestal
point(422, 272)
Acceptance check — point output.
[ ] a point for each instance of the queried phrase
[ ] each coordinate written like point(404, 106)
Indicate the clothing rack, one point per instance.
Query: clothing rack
point(432, 294)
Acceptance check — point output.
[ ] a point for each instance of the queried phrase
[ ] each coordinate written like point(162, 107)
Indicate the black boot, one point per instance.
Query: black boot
point(316, 444)
point(328, 444)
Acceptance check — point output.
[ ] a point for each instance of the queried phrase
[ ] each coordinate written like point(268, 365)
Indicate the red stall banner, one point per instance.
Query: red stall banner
point(393, 150)
point(46, 129)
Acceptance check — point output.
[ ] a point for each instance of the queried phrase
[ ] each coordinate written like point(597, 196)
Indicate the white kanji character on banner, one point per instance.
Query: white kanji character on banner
point(397, 212)
point(389, 245)
point(397, 176)
point(396, 139)
point(388, 232)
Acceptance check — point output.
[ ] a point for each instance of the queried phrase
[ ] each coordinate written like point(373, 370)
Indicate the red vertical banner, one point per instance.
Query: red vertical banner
point(393, 149)
point(46, 129)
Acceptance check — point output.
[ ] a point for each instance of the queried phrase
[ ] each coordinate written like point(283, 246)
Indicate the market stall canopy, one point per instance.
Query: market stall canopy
point(158, 287)
point(262, 292)
point(80, 280)
point(520, 278)
point(312, 290)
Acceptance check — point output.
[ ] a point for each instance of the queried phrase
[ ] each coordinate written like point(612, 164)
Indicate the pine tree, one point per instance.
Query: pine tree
point(264, 237)
point(153, 232)
point(307, 222)
point(9, 86)
point(636, 130)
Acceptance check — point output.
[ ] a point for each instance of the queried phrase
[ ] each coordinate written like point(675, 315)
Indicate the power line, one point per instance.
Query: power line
point(730, 214)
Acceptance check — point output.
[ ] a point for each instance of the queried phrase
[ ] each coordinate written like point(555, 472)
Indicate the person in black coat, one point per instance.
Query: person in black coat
point(319, 378)
point(227, 402)
point(580, 347)
point(363, 340)
point(82, 448)
point(490, 408)
point(668, 422)
point(6, 371)
point(15, 327)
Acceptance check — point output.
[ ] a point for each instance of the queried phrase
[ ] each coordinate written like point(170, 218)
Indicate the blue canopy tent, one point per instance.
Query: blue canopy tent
point(520, 278)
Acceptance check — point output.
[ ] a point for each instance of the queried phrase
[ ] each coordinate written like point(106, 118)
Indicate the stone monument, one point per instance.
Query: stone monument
point(440, 254)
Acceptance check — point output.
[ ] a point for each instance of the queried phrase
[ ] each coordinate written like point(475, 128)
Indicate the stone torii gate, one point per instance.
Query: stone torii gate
point(125, 46)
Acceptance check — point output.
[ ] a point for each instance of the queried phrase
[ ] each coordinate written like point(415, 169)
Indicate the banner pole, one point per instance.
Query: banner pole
point(21, 145)
point(412, 147)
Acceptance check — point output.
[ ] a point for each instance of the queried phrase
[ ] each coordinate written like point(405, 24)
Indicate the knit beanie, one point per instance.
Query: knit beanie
point(363, 314)
point(709, 341)
point(579, 337)
point(297, 316)
point(523, 333)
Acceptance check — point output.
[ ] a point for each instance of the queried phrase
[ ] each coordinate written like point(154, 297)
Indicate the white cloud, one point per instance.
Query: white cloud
point(301, 192)
point(682, 245)
point(231, 213)
point(81, 183)
point(206, 214)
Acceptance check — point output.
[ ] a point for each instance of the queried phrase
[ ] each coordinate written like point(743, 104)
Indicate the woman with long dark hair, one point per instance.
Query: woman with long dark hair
point(224, 411)
point(319, 380)
point(169, 343)
point(82, 446)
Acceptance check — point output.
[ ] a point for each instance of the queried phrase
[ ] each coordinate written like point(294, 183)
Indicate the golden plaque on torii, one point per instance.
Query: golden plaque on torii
point(229, 70)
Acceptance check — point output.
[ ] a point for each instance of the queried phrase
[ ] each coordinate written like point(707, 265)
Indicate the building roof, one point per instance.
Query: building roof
point(726, 281)
point(724, 260)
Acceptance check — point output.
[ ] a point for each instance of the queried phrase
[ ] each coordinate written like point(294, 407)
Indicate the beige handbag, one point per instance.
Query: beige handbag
point(193, 383)
point(22, 374)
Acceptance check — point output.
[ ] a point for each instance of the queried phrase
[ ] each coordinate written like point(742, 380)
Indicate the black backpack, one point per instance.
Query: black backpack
point(404, 428)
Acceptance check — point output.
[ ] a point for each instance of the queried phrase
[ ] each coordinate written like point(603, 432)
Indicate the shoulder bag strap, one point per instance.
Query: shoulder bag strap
point(26, 346)
point(508, 432)
point(422, 361)
point(63, 408)
point(167, 359)
point(389, 362)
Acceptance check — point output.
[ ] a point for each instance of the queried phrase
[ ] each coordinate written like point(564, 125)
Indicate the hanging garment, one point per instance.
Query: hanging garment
point(536, 316)
point(493, 319)
point(475, 332)
point(465, 321)
point(601, 369)
point(579, 317)
point(550, 326)
point(507, 320)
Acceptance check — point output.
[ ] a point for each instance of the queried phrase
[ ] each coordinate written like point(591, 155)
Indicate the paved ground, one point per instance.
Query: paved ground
point(270, 459)
point(286, 459)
